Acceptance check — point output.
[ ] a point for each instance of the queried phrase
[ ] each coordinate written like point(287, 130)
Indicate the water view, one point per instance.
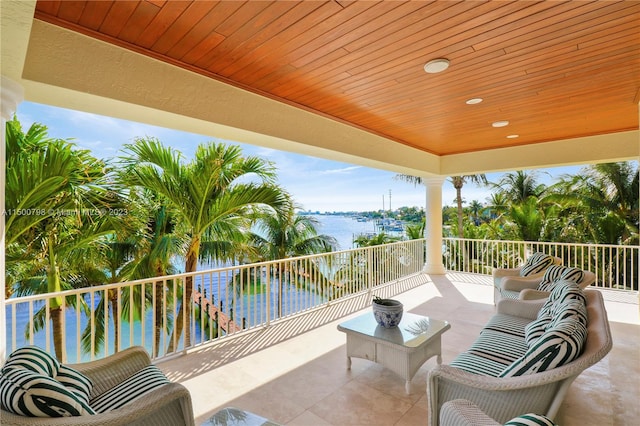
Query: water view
point(244, 308)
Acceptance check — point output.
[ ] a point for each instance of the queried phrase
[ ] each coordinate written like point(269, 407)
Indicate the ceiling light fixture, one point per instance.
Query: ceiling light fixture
point(500, 123)
point(474, 101)
point(513, 136)
point(436, 65)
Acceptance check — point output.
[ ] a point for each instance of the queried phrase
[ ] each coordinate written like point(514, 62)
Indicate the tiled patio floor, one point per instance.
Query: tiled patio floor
point(295, 377)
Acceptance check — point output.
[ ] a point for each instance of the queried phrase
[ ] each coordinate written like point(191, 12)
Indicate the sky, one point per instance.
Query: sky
point(316, 184)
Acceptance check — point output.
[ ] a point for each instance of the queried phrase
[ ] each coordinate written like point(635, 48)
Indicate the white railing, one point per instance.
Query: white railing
point(616, 266)
point(101, 320)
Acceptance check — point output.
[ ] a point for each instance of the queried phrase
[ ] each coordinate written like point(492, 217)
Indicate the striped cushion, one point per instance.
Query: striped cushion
point(507, 324)
point(530, 420)
point(536, 328)
point(33, 358)
point(556, 273)
point(477, 365)
point(76, 382)
point(144, 381)
point(570, 309)
point(500, 347)
point(535, 264)
point(561, 292)
point(557, 346)
point(27, 393)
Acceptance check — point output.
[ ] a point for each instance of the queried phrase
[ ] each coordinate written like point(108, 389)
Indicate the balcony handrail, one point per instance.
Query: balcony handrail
point(248, 294)
point(253, 295)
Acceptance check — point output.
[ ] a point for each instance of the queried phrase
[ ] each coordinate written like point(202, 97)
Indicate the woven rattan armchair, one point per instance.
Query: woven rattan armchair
point(507, 397)
point(169, 405)
point(527, 288)
point(503, 274)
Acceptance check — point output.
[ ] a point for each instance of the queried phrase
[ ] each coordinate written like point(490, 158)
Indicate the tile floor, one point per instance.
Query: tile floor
point(294, 372)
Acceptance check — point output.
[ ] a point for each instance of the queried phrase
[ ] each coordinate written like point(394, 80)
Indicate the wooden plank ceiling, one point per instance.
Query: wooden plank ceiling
point(554, 70)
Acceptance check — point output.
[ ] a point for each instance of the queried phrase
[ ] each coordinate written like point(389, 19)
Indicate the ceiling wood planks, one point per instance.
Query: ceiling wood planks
point(555, 70)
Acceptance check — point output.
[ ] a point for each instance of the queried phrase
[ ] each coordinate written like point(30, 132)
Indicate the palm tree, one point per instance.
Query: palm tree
point(458, 182)
point(141, 247)
point(519, 186)
point(56, 199)
point(288, 234)
point(209, 197)
point(606, 197)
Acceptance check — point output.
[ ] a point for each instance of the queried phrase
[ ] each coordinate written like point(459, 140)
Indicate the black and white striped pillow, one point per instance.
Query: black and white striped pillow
point(569, 309)
point(27, 393)
point(76, 382)
point(530, 420)
point(33, 358)
point(535, 329)
point(561, 292)
point(557, 273)
point(557, 346)
point(141, 383)
point(535, 264)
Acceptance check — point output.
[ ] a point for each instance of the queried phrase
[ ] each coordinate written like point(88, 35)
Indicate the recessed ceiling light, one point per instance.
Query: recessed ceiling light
point(500, 123)
point(513, 136)
point(436, 65)
point(473, 101)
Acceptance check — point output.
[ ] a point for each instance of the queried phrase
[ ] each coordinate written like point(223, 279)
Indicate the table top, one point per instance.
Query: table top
point(412, 332)
point(231, 416)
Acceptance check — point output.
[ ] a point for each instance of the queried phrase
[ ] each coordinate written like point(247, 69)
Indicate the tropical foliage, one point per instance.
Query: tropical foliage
point(74, 221)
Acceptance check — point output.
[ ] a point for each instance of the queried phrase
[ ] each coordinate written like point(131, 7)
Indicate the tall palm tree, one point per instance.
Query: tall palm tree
point(56, 197)
point(288, 234)
point(458, 182)
point(209, 196)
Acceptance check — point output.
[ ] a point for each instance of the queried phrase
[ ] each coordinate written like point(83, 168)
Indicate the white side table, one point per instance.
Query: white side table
point(402, 349)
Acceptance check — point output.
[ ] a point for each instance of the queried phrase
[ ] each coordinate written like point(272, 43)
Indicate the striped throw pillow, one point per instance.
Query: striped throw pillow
point(144, 381)
point(557, 346)
point(530, 420)
point(535, 264)
point(561, 292)
point(76, 382)
point(27, 393)
point(557, 273)
point(535, 329)
point(33, 358)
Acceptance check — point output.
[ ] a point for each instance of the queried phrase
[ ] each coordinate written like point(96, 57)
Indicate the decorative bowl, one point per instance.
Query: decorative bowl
point(387, 312)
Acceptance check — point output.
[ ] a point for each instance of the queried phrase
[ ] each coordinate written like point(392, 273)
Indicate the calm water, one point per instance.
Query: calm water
point(342, 228)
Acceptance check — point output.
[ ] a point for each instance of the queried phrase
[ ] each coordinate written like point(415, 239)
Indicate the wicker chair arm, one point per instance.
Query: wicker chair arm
point(520, 308)
point(531, 294)
point(505, 272)
point(519, 283)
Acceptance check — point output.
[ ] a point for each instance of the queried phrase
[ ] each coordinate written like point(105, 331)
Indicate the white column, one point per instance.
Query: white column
point(12, 95)
point(433, 226)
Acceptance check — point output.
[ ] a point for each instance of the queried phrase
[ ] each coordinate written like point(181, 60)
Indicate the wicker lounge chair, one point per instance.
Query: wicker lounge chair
point(168, 405)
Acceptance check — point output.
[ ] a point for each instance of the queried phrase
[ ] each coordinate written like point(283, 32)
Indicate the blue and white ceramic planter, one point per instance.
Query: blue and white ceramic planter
point(387, 312)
